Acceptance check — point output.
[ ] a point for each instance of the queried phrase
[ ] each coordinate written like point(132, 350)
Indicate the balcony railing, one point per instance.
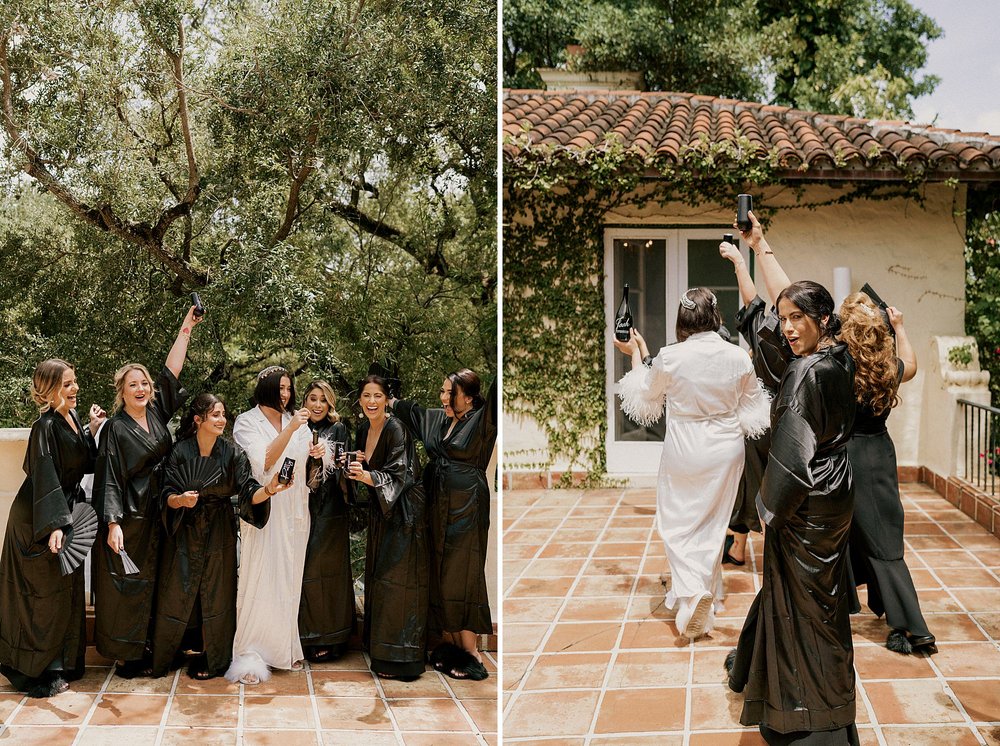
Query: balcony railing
point(981, 429)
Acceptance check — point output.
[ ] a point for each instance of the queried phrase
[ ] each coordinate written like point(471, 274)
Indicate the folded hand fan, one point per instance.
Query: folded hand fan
point(882, 305)
point(196, 474)
point(78, 539)
point(128, 565)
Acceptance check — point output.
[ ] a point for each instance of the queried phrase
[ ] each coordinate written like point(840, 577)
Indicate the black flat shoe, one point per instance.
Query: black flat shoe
point(923, 644)
point(727, 558)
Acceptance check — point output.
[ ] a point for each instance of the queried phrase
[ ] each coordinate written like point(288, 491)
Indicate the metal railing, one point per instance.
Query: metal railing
point(981, 434)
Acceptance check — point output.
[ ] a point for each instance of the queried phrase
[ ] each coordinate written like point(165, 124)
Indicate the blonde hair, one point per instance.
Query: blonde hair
point(331, 398)
point(47, 380)
point(120, 384)
point(874, 352)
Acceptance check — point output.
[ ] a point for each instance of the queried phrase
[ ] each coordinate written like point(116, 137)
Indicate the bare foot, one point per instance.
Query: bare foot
point(249, 678)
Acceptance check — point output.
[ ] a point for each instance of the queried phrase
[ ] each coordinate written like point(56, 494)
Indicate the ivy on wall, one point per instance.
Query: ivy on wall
point(555, 204)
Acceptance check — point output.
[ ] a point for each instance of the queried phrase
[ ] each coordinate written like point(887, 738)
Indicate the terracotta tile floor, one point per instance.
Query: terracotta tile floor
point(592, 657)
point(331, 703)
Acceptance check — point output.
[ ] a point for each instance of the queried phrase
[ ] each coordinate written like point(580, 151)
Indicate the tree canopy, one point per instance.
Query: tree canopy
point(323, 174)
point(859, 57)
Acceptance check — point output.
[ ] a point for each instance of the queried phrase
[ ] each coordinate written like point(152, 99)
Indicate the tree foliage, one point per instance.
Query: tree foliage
point(859, 57)
point(322, 173)
point(982, 284)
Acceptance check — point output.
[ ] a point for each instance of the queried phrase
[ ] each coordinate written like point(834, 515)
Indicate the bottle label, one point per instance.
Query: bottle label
point(623, 325)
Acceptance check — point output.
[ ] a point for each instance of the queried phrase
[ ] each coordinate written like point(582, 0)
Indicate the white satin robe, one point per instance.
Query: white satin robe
point(272, 558)
point(713, 399)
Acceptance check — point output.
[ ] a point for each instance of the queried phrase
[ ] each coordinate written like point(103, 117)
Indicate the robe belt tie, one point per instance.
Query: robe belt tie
point(731, 414)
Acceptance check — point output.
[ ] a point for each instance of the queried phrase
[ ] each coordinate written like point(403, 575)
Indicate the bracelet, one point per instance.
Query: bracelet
point(268, 492)
point(768, 251)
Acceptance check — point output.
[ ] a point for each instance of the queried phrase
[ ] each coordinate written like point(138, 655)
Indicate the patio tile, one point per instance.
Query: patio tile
point(282, 683)
point(955, 628)
point(190, 709)
point(938, 601)
point(583, 636)
point(713, 705)
point(531, 609)
point(350, 738)
point(654, 633)
point(607, 585)
point(641, 711)
point(566, 713)
point(218, 685)
point(878, 662)
point(535, 587)
point(937, 559)
point(129, 709)
point(199, 736)
point(550, 568)
point(981, 699)
point(971, 659)
point(8, 703)
point(428, 714)
point(344, 684)
point(444, 739)
point(989, 622)
point(568, 671)
point(431, 684)
point(118, 735)
point(620, 549)
point(279, 738)
point(566, 549)
point(353, 713)
point(483, 713)
point(352, 660)
point(50, 736)
point(643, 608)
point(932, 542)
point(663, 667)
point(119, 685)
point(912, 702)
point(969, 577)
point(592, 609)
point(523, 638)
point(954, 736)
point(68, 708)
point(738, 738)
point(621, 566)
point(514, 667)
point(634, 740)
point(278, 712)
point(979, 599)
point(93, 680)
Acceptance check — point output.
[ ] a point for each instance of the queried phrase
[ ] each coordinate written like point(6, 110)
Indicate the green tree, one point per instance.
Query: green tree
point(323, 174)
point(859, 57)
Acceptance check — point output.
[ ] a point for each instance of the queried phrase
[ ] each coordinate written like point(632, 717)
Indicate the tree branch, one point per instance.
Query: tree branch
point(298, 179)
point(103, 218)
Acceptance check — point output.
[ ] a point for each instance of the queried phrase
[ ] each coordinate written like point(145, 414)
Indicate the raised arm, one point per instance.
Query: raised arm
point(277, 446)
point(178, 353)
point(904, 350)
point(747, 289)
point(775, 279)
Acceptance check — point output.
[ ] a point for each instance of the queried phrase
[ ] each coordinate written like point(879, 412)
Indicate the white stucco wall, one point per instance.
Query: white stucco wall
point(912, 254)
point(13, 444)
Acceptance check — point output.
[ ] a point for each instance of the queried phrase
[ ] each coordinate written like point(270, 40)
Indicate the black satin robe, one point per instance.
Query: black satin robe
point(326, 611)
point(42, 611)
point(126, 491)
point(396, 561)
point(801, 672)
point(771, 354)
point(198, 562)
point(458, 500)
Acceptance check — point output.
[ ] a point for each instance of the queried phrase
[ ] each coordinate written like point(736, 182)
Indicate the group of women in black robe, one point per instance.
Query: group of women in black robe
point(169, 507)
point(829, 501)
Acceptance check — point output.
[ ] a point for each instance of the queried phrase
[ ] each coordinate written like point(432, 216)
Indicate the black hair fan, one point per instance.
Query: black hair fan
point(882, 305)
point(78, 538)
point(196, 474)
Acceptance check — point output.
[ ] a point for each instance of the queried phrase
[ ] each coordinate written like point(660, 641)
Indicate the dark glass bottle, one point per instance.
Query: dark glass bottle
point(623, 318)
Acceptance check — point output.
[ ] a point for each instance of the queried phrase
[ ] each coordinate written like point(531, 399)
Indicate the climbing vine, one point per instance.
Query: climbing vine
point(982, 283)
point(555, 204)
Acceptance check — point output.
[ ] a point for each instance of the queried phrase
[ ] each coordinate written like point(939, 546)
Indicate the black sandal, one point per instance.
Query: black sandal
point(447, 657)
point(133, 669)
point(319, 655)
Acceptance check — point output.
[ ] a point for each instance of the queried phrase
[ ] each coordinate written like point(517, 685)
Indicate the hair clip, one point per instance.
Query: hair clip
point(687, 302)
point(268, 371)
point(867, 310)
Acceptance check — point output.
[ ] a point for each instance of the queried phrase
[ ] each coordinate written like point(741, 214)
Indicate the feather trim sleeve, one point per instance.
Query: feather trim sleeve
point(754, 408)
point(643, 393)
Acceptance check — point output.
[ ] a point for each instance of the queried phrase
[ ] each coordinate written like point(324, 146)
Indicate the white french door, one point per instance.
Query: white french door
point(658, 264)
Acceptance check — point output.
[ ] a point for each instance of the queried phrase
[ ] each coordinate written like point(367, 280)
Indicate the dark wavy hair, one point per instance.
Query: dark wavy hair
point(268, 390)
point(201, 406)
point(470, 384)
point(382, 383)
point(704, 317)
point(814, 301)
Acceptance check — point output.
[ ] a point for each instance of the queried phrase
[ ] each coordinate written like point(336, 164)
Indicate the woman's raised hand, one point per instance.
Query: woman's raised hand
point(300, 418)
point(274, 486)
point(628, 347)
point(730, 252)
point(895, 316)
point(318, 450)
point(190, 320)
point(97, 416)
point(56, 541)
point(753, 236)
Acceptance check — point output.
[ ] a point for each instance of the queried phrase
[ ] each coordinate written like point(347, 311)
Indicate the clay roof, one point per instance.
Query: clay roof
point(806, 144)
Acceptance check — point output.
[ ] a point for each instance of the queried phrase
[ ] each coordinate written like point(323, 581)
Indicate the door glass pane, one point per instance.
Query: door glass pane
point(706, 268)
point(642, 264)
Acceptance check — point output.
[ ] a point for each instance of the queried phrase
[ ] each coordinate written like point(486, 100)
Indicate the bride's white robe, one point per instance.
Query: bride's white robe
point(272, 558)
point(712, 399)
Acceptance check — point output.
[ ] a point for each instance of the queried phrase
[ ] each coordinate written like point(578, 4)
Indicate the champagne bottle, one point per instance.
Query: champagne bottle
point(623, 318)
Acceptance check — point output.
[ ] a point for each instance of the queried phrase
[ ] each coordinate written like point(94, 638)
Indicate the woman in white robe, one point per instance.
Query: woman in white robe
point(713, 400)
point(272, 558)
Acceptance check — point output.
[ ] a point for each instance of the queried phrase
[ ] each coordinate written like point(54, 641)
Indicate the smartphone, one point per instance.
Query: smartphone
point(285, 475)
point(199, 309)
point(744, 204)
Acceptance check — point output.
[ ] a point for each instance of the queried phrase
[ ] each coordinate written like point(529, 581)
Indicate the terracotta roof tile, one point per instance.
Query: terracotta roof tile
point(669, 124)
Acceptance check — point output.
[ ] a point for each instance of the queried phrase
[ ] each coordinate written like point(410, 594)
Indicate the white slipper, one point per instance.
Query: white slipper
point(696, 624)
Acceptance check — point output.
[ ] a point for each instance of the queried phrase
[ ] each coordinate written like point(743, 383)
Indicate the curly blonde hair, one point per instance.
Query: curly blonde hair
point(874, 352)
